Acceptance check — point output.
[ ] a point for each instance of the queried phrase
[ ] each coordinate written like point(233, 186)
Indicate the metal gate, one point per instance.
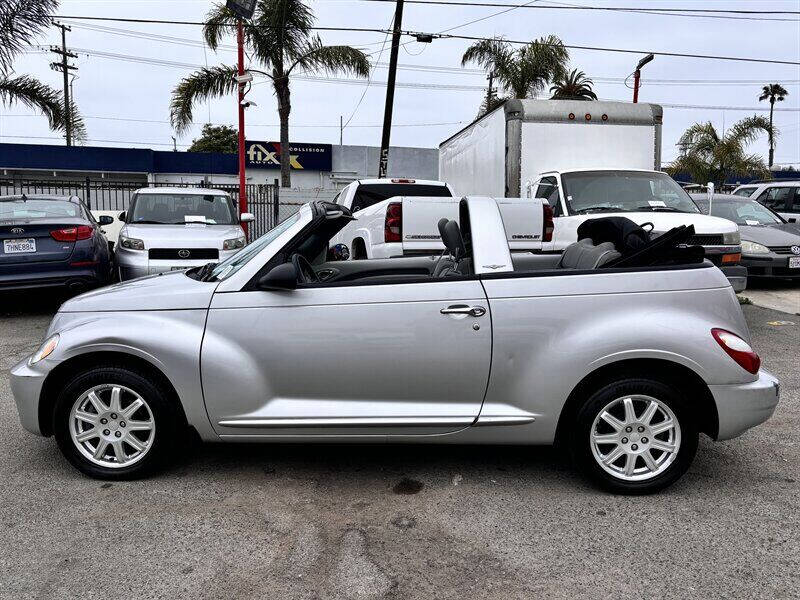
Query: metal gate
point(263, 200)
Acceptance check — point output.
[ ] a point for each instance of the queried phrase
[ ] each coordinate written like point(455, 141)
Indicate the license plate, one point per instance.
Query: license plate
point(19, 246)
point(794, 262)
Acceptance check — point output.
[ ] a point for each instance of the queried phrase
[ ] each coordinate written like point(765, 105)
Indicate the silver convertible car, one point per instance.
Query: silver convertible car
point(621, 354)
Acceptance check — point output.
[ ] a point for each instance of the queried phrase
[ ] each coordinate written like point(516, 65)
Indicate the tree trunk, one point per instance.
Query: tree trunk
point(771, 139)
point(284, 109)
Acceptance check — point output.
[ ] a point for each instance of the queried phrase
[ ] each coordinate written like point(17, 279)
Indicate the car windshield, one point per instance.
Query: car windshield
point(228, 267)
point(745, 192)
point(624, 191)
point(37, 209)
point(178, 209)
point(741, 212)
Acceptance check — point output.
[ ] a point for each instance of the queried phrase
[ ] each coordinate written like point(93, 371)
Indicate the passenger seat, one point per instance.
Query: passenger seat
point(583, 255)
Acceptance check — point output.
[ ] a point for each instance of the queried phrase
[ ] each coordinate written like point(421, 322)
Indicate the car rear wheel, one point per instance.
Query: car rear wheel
point(114, 423)
point(634, 436)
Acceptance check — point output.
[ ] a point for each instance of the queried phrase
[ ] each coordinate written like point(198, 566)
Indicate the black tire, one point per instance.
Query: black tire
point(581, 447)
point(160, 404)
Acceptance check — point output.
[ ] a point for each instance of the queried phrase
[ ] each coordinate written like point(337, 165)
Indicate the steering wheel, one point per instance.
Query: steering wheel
point(305, 272)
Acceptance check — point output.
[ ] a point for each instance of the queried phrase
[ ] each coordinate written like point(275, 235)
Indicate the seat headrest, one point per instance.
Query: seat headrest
point(453, 241)
point(441, 225)
point(626, 235)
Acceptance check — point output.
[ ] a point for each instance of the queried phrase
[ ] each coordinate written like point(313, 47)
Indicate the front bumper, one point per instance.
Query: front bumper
point(737, 275)
point(745, 405)
point(132, 263)
point(26, 386)
point(770, 265)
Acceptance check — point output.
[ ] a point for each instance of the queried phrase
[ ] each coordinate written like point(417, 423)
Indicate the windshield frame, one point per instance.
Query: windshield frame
point(567, 179)
point(129, 215)
point(236, 281)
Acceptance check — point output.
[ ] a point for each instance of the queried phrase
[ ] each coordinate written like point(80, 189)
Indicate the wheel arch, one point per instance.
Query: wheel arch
point(669, 372)
point(59, 376)
point(360, 244)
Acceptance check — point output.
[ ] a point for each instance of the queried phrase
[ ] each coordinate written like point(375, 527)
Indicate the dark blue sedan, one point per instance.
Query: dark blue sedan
point(51, 241)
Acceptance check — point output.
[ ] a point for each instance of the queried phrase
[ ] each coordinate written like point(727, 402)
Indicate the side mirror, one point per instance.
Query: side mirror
point(247, 218)
point(105, 220)
point(280, 278)
point(339, 252)
point(121, 216)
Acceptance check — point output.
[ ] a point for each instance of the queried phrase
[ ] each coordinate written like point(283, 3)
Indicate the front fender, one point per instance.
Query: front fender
point(169, 340)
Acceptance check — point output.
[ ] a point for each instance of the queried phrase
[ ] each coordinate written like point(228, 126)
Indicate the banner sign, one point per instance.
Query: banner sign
point(310, 157)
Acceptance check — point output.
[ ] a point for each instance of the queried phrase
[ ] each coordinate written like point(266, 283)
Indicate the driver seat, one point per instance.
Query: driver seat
point(454, 243)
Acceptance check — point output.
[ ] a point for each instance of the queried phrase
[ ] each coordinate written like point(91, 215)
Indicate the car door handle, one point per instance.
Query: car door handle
point(463, 309)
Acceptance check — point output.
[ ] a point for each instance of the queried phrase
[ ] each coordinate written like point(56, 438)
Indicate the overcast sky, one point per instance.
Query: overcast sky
point(113, 88)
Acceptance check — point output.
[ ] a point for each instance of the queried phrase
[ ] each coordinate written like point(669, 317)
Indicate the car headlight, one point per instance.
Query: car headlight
point(749, 247)
point(131, 243)
point(45, 350)
point(233, 244)
point(732, 238)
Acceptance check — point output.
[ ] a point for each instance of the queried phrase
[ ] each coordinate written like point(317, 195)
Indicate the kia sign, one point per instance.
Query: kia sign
point(309, 157)
point(243, 8)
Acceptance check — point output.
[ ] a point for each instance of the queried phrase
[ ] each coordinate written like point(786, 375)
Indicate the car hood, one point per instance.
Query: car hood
point(664, 221)
point(191, 235)
point(166, 291)
point(782, 234)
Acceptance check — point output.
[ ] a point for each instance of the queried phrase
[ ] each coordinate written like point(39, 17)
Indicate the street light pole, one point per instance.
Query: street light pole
point(240, 104)
point(387, 113)
point(637, 74)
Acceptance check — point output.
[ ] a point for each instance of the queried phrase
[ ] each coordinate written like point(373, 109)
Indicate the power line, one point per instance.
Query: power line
point(611, 8)
point(664, 12)
point(463, 37)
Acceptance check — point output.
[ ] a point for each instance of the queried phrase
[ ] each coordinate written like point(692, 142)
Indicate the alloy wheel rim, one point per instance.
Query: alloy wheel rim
point(635, 438)
point(112, 426)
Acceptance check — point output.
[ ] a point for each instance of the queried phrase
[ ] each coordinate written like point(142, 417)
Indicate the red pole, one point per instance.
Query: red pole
point(240, 99)
point(636, 76)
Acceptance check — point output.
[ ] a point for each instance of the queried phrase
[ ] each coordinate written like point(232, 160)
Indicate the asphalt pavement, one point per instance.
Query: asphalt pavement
point(290, 521)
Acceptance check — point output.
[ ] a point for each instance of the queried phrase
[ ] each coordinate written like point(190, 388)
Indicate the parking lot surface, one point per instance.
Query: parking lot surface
point(290, 521)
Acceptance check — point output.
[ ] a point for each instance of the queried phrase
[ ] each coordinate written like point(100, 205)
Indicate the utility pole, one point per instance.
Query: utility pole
point(387, 113)
point(65, 68)
point(240, 102)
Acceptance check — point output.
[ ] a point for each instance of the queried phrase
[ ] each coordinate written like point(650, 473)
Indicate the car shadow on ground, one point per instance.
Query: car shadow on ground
point(32, 302)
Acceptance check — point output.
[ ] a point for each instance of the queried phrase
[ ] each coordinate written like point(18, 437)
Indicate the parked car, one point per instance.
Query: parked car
point(406, 226)
point(51, 241)
point(781, 196)
point(172, 229)
point(644, 197)
point(251, 349)
point(770, 245)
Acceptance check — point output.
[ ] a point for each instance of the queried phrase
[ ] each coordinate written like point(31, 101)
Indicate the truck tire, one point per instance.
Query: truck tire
point(634, 436)
point(113, 422)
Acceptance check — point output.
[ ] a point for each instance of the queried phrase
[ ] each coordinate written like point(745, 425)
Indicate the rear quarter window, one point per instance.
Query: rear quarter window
point(369, 194)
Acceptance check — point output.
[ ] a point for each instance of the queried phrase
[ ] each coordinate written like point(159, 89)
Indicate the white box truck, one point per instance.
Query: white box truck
point(584, 158)
point(503, 153)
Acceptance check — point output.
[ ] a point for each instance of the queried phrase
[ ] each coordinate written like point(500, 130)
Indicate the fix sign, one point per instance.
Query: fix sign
point(267, 155)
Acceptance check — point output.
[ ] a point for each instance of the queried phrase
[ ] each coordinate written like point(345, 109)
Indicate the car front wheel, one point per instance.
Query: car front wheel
point(635, 436)
point(114, 423)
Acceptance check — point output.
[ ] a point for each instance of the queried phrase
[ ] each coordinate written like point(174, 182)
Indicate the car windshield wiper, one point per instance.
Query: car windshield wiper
point(660, 208)
point(594, 209)
point(146, 222)
point(205, 271)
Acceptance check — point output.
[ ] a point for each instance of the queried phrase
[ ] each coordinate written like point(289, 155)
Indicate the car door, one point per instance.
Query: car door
point(347, 360)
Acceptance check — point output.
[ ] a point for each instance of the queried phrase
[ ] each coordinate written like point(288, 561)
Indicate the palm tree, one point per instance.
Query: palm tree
point(573, 86)
point(706, 156)
point(774, 92)
point(279, 37)
point(522, 72)
point(21, 22)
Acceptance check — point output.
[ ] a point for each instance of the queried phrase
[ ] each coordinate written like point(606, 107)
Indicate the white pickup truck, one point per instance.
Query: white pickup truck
point(398, 217)
point(577, 195)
